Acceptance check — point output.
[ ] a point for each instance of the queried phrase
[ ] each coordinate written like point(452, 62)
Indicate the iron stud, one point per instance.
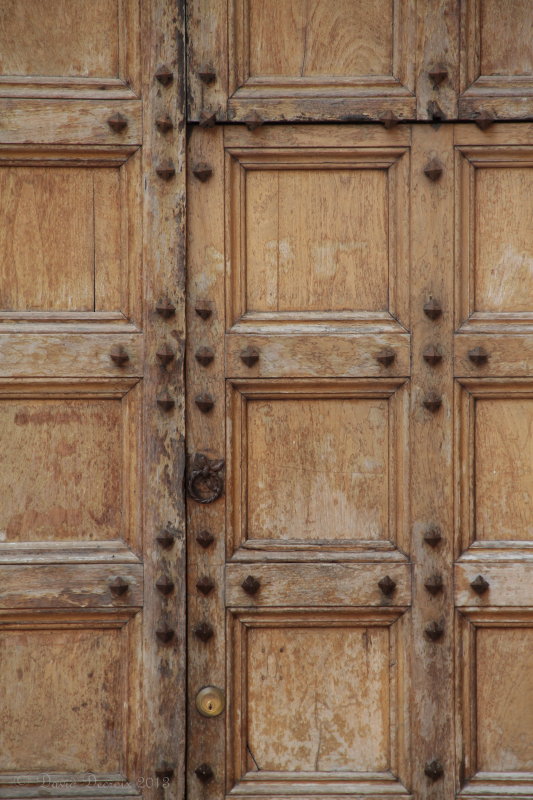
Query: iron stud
point(164, 75)
point(205, 539)
point(386, 357)
point(203, 309)
point(250, 356)
point(165, 308)
point(433, 169)
point(389, 119)
point(253, 121)
point(165, 355)
point(165, 585)
point(202, 171)
point(165, 634)
point(434, 584)
point(204, 356)
point(118, 586)
point(484, 120)
point(207, 74)
point(119, 355)
point(165, 401)
point(434, 630)
point(438, 75)
point(478, 356)
point(204, 402)
point(432, 402)
point(205, 585)
point(204, 773)
point(165, 771)
point(432, 355)
point(166, 539)
point(433, 536)
point(164, 123)
point(480, 585)
point(251, 585)
point(166, 171)
point(434, 769)
point(207, 119)
point(432, 309)
point(203, 631)
point(117, 123)
point(387, 585)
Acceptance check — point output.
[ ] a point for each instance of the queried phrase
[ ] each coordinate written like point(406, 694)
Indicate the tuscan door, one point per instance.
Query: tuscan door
point(360, 443)
point(91, 541)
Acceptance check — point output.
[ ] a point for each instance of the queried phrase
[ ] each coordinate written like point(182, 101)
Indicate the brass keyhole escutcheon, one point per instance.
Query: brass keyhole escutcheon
point(210, 701)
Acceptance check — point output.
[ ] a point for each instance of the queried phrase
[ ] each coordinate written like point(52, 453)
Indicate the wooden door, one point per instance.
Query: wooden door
point(359, 440)
point(91, 532)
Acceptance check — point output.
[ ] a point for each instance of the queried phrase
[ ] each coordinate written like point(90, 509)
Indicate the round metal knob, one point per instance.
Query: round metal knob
point(210, 701)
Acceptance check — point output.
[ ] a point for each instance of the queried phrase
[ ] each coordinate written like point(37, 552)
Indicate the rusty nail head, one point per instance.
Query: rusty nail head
point(204, 356)
point(165, 772)
point(389, 119)
point(203, 631)
point(165, 585)
point(166, 170)
point(434, 584)
point(478, 356)
point(205, 539)
point(387, 585)
point(202, 171)
point(204, 402)
point(386, 357)
point(433, 169)
point(204, 773)
point(165, 634)
point(203, 309)
point(117, 123)
point(164, 75)
point(432, 355)
point(164, 123)
point(433, 536)
point(205, 585)
point(207, 74)
point(118, 586)
point(166, 539)
point(165, 308)
point(250, 356)
point(165, 401)
point(434, 769)
point(480, 585)
point(432, 402)
point(207, 119)
point(253, 121)
point(432, 309)
point(164, 355)
point(251, 585)
point(434, 630)
point(119, 355)
point(484, 120)
point(437, 75)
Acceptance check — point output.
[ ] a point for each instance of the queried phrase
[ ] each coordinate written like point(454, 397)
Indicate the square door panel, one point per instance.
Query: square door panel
point(62, 702)
point(69, 462)
point(67, 44)
point(317, 465)
point(317, 235)
point(496, 239)
point(495, 669)
point(335, 716)
point(496, 451)
point(67, 241)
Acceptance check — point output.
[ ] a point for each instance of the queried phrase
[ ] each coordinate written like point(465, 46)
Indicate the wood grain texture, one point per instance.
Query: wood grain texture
point(437, 46)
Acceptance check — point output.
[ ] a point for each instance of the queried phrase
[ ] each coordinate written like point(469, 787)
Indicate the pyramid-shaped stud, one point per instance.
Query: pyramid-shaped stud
point(204, 356)
point(205, 539)
point(165, 401)
point(389, 119)
point(432, 309)
point(205, 585)
point(165, 634)
point(202, 171)
point(117, 123)
point(204, 402)
point(434, 630)
point(433, 169)
point(432, 355)
point(434, 769)
point(386, 357)
point(204, 632)
point(165, 355)
point(204, 773)
point(432, 402)
point(387, 585)
point(119, 355)
point(479, 585)
point(165, 771)
point(478, 356)
point(253, 121)
point(207, 119)
point(251, 585)
point(484, 120)
point(166, 539)
point(118, 586)
point(165, 308)
point(434, 584)
point(164, 75)
point(203, 309)
point(164, 123)
point(437, 75)
point(433, 536)
point(207, 74)
point(166, 170)
point(165, 585)
point(249, 356)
